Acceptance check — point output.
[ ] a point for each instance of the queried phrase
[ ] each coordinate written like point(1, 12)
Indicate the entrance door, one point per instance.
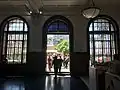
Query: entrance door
point(58, 45)
point(58, 41)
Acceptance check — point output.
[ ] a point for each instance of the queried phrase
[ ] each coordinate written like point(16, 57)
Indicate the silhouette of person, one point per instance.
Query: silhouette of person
point(56, 65)
point(49, 63)
point(60, 63)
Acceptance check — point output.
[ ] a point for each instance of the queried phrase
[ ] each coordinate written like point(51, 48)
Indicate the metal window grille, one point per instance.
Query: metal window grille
point(15, 41)
point(102, 41)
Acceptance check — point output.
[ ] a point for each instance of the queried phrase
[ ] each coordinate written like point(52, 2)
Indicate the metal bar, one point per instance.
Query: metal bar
point(6, 38)
point(110, 41)
point(22, 43)
point(93, 44)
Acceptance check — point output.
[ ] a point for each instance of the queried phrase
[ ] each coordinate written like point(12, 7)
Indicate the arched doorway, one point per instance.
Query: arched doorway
point(58, 40)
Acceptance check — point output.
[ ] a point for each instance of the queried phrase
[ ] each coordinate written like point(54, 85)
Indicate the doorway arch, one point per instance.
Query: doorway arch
point(59, 21)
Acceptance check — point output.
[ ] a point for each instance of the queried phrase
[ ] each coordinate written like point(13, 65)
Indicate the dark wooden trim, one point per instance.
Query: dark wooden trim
point(2, 26)
point(45, 30)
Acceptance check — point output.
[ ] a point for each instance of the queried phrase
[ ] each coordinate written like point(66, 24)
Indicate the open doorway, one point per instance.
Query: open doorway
point(58, 45)
point(58, 30)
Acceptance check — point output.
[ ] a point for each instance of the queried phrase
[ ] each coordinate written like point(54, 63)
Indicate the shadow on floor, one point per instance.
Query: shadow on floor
point(42, 83)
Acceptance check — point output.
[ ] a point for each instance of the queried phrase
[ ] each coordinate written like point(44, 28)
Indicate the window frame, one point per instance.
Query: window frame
point(115, 32)
point(4, 24)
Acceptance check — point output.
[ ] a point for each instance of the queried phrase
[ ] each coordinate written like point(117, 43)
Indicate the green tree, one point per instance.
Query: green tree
point(62, 46)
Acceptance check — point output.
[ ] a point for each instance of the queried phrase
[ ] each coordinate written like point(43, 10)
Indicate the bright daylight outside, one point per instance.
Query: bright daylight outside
point(101, 41)
point(58, 45)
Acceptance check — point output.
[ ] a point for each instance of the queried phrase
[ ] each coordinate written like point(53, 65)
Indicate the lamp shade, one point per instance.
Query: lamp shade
point(90, 12)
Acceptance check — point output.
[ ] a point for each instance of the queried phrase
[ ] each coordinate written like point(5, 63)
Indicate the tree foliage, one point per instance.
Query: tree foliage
point(62, 46)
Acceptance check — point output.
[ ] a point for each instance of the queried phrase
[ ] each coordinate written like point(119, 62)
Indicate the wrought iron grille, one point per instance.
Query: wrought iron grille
point(15, 41)
point(102, 41)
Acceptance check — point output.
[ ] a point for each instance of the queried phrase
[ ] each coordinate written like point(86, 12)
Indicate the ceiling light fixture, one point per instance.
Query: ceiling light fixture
point(91, 11)
point(40, 12)
point(30, 12)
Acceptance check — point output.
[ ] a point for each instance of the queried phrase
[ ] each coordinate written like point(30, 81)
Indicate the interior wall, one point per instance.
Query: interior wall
point(79, 24)
point(80, 60)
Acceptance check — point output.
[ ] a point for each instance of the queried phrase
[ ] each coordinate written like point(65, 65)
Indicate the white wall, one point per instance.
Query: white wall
point(80, 33)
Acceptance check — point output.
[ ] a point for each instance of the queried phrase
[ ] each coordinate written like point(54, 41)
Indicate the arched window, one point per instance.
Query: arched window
point(102, 39)
point(57, 26)
point(15, 40)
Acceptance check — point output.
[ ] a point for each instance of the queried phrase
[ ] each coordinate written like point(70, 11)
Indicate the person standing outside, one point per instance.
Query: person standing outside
point(49, 63)
point(60, 63)
point(56, 65)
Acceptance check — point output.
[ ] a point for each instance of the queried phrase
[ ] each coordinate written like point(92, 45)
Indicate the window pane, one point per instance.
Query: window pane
point(90, 28)
point(58, 26)
point(15, 42)
point(98, 44)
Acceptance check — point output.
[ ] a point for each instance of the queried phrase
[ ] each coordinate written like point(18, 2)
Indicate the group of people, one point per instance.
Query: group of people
point(57, 61)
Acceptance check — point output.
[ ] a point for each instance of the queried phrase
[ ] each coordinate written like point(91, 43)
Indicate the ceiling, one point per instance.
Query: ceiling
point(36, 5)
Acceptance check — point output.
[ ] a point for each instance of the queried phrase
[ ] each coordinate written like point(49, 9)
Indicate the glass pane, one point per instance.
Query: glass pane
point(25, 37)
point(25, 43)
point(112, 28)
point(16, 25)
point(26, 28)
point(101, 20)
point(91, 37)
point(91, 27)
point(101, 25)
point(102, 36)
point(91, 51)
point(91, 44)
point(106, 44)
point(98, 44)
point(58, 26)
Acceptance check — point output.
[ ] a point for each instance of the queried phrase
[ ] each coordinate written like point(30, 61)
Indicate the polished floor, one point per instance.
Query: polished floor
point(42, 83)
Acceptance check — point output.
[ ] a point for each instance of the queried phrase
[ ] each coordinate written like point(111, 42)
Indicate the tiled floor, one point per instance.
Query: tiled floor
point(42, 83)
